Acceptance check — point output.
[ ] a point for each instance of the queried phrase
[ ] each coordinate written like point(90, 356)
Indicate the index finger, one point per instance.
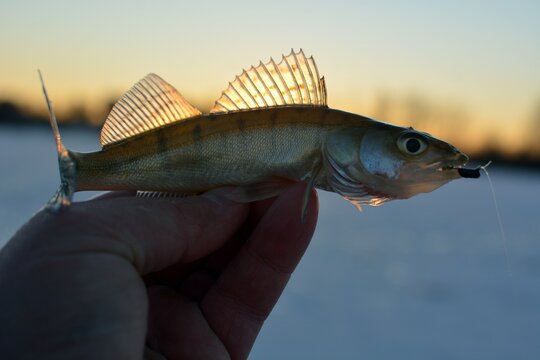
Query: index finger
point(152, 234)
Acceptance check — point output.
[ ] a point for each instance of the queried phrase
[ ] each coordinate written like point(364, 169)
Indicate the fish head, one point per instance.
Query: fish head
point(378, 162)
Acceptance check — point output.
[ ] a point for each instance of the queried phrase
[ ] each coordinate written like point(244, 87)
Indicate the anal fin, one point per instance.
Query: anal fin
point(161, 194)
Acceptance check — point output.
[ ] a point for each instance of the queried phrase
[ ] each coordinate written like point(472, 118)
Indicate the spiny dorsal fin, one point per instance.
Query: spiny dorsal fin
point(149, 104)
point(293, 81)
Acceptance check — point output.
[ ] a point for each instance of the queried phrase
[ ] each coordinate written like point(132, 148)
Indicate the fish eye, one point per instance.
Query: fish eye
point(412, 144)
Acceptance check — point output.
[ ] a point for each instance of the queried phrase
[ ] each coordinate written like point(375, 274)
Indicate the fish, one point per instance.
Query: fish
point(270, 129)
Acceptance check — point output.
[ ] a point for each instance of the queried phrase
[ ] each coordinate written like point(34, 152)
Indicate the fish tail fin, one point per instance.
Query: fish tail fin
point(66, 163)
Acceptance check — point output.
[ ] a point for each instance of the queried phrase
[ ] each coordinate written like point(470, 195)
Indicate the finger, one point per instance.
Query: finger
point(217, 261)
point(243, 296)
point(150, 233)
point(177, 328)
point(150, 354)
point(258, 210)
point(213, 264)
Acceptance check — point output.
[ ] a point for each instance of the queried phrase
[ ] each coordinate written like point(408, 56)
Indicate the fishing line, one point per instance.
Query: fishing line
point(499, 219)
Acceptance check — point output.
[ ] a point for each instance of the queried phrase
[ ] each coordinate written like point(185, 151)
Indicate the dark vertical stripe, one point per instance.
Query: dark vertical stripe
point(196, 134)
point(161, 140)
point(273, 127)
point(322, 117)
point(165, 164)
point(241, 123)
point(273, 120)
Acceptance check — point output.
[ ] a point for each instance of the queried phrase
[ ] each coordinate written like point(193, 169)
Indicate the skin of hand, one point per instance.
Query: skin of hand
point(120, 277)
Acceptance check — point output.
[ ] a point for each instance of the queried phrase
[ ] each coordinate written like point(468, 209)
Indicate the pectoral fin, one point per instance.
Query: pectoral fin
point(260, 190)
point(305, 200)
point(270, 188)
point(315, 170)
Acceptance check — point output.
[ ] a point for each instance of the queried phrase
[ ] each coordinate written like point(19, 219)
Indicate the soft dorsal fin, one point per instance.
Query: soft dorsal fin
point(149, 104)
point(293, 81)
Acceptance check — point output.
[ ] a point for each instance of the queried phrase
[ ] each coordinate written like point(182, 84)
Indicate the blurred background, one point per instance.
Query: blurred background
point(418, 279)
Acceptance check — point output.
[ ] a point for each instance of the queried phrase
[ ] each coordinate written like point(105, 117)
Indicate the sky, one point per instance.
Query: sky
point(466, 71)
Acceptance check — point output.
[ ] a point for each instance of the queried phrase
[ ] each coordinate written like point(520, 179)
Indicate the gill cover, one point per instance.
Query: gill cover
point(345, 173)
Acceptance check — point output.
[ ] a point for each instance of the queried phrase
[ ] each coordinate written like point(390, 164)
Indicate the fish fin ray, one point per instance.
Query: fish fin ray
point(362, 196)
point(149, 104)
point(305, 200)
point(345, 184)
point(313, 174)
point(360, 200)
point(66, 164)
point(161, 194)
point(293, 81)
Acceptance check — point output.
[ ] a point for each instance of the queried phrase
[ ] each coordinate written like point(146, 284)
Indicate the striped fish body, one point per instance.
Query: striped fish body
point(214, 150)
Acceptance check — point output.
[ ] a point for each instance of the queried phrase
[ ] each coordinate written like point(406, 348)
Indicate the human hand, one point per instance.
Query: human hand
point(190, 278)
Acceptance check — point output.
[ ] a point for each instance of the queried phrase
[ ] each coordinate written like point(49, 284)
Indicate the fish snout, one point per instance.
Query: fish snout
point(458, 160)
point(461, 158)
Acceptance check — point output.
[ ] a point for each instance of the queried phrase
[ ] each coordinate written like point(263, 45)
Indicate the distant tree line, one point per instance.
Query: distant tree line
point(13, 114)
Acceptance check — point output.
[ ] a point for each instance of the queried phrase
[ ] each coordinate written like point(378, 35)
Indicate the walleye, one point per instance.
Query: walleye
point(270, 128)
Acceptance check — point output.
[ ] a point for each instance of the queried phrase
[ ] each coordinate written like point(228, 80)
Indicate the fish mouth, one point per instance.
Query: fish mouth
point(457, 166)
point(453, 164)
point(449, 167)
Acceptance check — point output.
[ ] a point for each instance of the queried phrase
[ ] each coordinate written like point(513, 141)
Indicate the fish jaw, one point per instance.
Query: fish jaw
point(431, 179)
point(344, 173)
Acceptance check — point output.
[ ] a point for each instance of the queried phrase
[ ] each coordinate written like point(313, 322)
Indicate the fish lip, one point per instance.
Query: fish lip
point(448, 167)
point(453, 164)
